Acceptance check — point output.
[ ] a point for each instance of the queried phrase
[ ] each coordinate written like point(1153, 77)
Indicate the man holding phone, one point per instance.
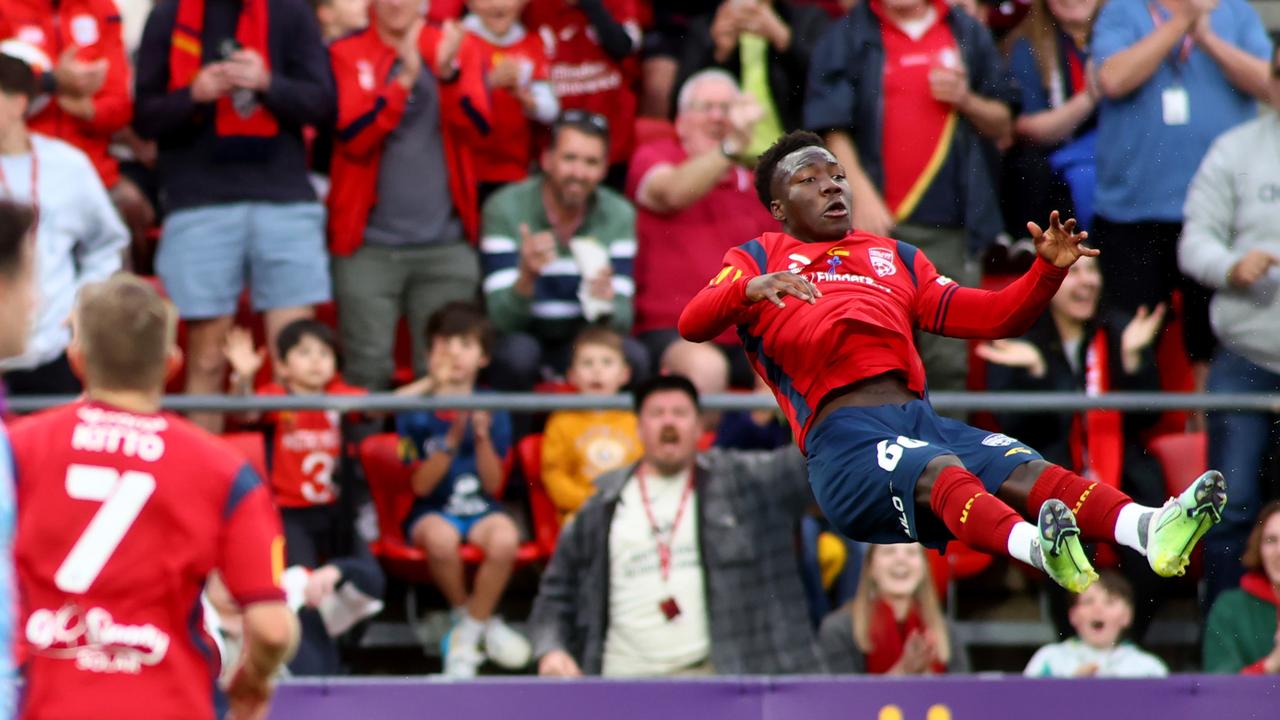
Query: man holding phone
point(225, 89)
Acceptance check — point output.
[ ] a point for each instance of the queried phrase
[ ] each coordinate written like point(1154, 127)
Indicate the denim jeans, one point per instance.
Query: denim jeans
point(1238, 442)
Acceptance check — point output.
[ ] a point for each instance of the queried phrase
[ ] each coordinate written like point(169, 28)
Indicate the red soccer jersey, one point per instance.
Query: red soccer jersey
point(121, 517)
point(583, 75)
point(875, 292)
point(305, 449)
point(504, 156)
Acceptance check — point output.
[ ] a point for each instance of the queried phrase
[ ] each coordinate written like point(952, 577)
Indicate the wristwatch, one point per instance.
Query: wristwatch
point(440, 445)
point(728, 149)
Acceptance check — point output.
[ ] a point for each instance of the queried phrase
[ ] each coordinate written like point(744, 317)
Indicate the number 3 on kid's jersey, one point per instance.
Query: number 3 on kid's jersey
point(123, 497)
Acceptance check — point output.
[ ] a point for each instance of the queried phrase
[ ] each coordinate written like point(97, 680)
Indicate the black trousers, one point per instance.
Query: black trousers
point(52, 378)
point(1139, 265)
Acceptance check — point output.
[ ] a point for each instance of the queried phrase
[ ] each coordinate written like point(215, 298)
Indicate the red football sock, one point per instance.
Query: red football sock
point(976, 517)
point(1096, 506)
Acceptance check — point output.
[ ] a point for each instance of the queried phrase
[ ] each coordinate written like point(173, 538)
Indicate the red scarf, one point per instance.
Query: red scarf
point(1097, 437)
point(185, 52)
point(1256, 584)
point(888, 637)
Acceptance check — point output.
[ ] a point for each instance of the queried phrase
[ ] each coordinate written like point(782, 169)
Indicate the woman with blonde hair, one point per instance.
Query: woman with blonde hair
point(894, 624)
point(1049, 62)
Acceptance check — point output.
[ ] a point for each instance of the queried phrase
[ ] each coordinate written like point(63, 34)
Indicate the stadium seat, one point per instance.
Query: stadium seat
point(1182, 457)
point(253, 447)
point(546, 521)
point(389, 487)
point(959, 562)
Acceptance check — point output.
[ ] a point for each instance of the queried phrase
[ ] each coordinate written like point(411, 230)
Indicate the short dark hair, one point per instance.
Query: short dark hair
point(587, 123)
point(598, 335)
point(1113, 583)
point(293, 333)
point(770, 158)
point(461, 318)
point(17, 78)
point(16, 221)
point(664, 383)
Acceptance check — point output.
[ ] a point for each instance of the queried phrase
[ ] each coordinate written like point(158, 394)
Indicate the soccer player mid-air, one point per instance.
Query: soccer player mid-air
point(827, 314)
point(123, 512)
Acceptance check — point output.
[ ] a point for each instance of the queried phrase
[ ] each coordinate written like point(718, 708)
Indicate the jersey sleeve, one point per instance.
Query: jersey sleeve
point(723, 302)
point(251, 552)
point(943, 307)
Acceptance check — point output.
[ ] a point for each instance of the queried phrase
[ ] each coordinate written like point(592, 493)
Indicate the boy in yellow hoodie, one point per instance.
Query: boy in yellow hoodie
point(579, 445)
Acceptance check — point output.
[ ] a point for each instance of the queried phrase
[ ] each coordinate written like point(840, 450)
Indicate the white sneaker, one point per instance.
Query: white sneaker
point(505, 646)
point(462, 658)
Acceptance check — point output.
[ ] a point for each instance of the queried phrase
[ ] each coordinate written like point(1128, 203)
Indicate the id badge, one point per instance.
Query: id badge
point(1177, 106)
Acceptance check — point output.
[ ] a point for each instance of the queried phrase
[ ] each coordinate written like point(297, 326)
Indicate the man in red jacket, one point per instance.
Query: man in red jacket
point(839, 353)
point(77, 47)
point(412, 105)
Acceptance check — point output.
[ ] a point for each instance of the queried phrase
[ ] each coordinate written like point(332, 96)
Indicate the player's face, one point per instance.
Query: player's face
point(397, 16)
point(1100, 616)
point(309, 365)
point(811, 196)
point(897, 570)
point(1270, 548)
point(1078, 296)
point(598, 370)
point(574, 167)
point(18, 298)
point(669, 429)
point(456, 360)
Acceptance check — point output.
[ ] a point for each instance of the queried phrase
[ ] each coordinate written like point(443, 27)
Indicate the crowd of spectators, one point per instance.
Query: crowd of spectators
point(527, 192)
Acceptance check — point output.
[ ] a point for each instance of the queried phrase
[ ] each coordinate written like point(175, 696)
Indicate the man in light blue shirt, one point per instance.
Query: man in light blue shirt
point(17, 297)
point(1175, 74)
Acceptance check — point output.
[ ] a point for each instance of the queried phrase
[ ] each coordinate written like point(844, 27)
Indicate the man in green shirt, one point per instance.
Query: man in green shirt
point(557, 251)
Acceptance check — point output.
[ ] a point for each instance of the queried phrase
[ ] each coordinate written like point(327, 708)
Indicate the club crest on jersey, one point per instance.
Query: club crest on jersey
point(882, 261)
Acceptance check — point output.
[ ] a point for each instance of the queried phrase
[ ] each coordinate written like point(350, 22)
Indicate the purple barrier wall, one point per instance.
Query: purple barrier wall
point(1184, 697)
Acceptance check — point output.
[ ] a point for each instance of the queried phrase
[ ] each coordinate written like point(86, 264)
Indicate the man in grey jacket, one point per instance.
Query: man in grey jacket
point(1229, 244)
point(682, 565)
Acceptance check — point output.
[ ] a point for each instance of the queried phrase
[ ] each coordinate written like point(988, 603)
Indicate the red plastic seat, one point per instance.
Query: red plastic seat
point(546, 520)
point(960, 562)
point(389, 487)
point(253, 447)
point(1182, 456)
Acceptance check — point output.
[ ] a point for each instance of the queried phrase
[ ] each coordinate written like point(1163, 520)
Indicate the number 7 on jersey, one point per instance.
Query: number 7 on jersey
point(123, 497)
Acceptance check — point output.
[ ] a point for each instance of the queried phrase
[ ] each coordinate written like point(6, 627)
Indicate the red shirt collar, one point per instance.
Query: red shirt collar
point(1257, 585)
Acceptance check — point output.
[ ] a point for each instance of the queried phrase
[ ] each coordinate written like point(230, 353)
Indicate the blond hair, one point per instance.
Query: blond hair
point(1040, 28)
point(124, 330)
point(924, 598)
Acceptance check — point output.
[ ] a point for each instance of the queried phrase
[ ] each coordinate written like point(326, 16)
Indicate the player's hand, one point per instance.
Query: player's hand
point(1060, 244)
point(774, 286)
point(1139, 334)
point(322, 582)
point(537, 250)
point(601, 286)
point(1086, 670)
point(244, 358)
point(558, 663)
point(1015, 354)
point(246, 69)
point(1250, 268)
point(76, 78)
point(249, 697)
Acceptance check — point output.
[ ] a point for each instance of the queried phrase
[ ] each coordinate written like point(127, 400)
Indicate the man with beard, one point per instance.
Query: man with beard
point(558, 251)
point(684, 564)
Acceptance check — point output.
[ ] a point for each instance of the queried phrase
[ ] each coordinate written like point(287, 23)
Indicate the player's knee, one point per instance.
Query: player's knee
point(938, 464)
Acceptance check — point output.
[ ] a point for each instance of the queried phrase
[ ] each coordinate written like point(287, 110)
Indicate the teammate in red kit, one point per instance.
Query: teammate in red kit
point(123, 513)
point(835, 343)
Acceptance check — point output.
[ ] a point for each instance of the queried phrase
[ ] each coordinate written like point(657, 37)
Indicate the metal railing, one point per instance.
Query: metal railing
point(1023, 402)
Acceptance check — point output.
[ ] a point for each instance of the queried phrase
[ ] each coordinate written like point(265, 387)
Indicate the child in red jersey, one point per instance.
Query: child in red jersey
point(327, 561)
point(516, 70)
point(828, 316)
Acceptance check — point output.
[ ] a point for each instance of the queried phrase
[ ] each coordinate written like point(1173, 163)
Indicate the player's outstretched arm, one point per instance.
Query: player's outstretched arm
point(1060, 244)
point(725, 301)
point(270, 639)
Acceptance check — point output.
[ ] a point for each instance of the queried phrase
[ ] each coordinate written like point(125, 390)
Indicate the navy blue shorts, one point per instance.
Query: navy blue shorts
point(864, 463)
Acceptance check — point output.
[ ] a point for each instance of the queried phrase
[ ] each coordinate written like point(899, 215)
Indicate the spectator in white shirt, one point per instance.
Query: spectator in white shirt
point(79, 236)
